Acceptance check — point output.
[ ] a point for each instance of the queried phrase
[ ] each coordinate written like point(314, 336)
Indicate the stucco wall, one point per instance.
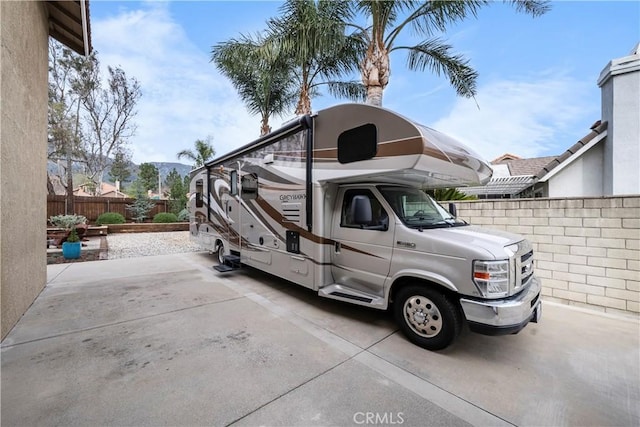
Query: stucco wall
point(587, 250)
point(581, 178)
point(620, 83)
point(23, 136)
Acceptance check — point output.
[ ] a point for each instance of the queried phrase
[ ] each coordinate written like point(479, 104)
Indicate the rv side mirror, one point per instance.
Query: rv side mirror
point(361, 210)
point(453, 210)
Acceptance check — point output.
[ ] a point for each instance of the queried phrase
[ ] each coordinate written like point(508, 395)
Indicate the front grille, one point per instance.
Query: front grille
point(526, 267)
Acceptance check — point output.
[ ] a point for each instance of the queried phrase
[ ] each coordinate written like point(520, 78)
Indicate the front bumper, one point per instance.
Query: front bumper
point(504, 316)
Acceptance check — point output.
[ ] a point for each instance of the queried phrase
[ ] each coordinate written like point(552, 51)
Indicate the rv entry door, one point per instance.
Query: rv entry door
point(231, 206)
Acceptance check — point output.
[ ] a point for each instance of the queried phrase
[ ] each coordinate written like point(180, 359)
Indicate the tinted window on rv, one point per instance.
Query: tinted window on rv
point(357, 144)
point(199, 190)
point(233, 181)
point(374, 217)
point(250, 186)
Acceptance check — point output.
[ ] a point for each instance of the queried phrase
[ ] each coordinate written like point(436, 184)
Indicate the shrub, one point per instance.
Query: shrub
point(165, 217)
point(140, 208)
point(73, 236)
point(67, 221)
point(110, 218)
point(183, 215)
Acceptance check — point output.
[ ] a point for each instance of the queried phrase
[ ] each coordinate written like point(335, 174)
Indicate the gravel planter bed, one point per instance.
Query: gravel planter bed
point(131, 245)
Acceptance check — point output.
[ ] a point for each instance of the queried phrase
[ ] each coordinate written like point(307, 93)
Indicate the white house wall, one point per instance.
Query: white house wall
point(620, 83)
point(582, 178)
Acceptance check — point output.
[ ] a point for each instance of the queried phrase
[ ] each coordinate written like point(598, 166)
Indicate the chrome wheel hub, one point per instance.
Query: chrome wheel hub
point(423, 316)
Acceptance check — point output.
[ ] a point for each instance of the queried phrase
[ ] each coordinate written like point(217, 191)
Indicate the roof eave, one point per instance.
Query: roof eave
point(583, 149)
point(598, 128)
point(69, 23)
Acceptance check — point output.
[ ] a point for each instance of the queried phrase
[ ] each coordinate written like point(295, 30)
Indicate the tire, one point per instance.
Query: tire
point(427, 317)
point(220, 253)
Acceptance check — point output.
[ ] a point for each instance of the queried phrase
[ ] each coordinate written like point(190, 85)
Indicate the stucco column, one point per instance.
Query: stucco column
point(23, 156)
point(620, 85)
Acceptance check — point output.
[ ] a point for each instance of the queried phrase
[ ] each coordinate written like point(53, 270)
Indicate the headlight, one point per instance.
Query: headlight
point(492, 278)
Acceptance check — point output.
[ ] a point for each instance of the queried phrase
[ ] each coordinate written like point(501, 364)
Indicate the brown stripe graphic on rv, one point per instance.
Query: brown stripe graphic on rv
point(273, 213)
point(402, 147)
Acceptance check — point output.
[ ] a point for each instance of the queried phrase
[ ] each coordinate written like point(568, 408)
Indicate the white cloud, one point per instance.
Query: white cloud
point(539, 116)
point(184, 98)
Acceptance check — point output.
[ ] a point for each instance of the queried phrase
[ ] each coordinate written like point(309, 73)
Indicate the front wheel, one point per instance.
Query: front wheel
point(427, 317)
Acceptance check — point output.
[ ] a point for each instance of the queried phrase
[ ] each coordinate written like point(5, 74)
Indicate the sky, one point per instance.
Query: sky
point(537, 85)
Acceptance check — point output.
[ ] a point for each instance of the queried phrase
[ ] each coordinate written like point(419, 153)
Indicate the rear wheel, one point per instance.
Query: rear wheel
point(220, 253)
point(427, 317)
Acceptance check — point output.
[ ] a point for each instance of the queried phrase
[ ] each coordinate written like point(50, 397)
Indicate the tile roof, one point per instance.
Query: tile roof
point(526, 172)
point(532, 166)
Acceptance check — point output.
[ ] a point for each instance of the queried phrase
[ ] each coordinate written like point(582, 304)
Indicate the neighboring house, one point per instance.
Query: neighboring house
point(602, 163)
point(25, 27)
point(107, 190)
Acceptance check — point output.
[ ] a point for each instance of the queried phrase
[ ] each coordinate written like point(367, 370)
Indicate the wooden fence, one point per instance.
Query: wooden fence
point(93, 207)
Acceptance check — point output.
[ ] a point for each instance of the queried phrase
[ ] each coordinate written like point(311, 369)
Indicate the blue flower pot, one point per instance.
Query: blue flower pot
point(71, 250)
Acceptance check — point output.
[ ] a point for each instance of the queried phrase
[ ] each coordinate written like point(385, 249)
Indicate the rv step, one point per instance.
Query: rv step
point(343, 293)
point(232, 260)
point(222, 268)
point(230, 263)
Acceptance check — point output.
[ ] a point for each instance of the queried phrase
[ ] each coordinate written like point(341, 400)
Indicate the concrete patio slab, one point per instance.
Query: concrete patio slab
point(165, 340)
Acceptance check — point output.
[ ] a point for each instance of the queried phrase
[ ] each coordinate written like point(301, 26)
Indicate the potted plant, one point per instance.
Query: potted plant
point(72, 246)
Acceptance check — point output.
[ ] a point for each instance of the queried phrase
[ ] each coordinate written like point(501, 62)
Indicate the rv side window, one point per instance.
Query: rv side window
point(250, 186)
point(357, 144)
point(199, 189)
point(233, 178)
point(371, 216)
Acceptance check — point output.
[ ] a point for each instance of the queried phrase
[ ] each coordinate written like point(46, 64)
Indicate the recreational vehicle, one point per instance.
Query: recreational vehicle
point(334, 202)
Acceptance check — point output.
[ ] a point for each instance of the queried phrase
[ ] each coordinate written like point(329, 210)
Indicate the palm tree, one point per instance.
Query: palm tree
point(263, 81)
point(203, 152)
point(312, 34)
point(388, 19)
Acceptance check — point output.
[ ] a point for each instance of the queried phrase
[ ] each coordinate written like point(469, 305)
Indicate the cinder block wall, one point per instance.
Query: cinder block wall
point(587, 250)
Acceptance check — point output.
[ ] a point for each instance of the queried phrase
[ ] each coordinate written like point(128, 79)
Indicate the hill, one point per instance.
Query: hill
point(163, 167)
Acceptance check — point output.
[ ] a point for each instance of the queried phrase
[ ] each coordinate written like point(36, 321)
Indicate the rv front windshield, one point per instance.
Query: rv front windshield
point(416, 209)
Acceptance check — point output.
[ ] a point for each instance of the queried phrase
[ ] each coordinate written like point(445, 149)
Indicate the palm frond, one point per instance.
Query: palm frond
point(534, 8)
point(435, 55)
point(354, 91)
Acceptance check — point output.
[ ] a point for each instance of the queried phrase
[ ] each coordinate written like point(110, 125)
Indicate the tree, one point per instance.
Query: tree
point(140, 208)
point(203, 152)
point(312, 34)
point(446, 194)
point(108, 113)
point(177, 191)
point(148, 176)
point(63, 116)
point(387, 21)
point(264, 81)
point(88, 121)
point(120, 166)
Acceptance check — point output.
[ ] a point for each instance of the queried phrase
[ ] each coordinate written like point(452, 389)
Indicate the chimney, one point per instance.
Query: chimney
point(620, 86)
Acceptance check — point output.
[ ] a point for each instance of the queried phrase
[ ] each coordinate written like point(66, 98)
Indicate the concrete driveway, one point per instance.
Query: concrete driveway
point(165, 340)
